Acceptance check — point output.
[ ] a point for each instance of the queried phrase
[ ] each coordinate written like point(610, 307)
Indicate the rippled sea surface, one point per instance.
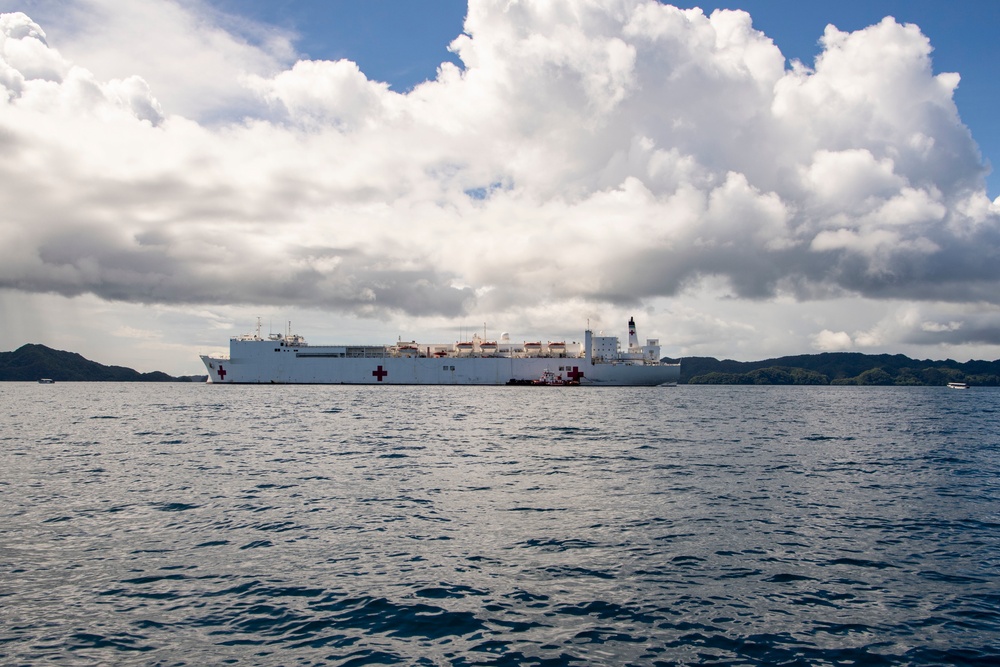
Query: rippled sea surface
point(182, 524)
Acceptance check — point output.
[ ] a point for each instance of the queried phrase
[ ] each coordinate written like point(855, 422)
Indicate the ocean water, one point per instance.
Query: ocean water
point(152, 524)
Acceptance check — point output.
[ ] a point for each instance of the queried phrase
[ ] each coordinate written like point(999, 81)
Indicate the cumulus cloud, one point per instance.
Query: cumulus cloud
point(597, 151)
point(832, 341)
point(191, 55)
point(335, 94)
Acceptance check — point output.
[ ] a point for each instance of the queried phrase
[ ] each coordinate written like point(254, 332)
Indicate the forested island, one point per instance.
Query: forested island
point(843, 368)
point(32, 362)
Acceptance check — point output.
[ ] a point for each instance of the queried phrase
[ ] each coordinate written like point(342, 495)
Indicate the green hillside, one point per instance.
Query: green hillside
point(840, 368)
point(32, 362)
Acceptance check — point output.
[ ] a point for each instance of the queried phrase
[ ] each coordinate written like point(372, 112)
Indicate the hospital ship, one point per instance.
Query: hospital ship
point(598, 361)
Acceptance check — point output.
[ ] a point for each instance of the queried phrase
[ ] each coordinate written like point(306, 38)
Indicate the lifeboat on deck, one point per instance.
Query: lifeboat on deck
point(407, 349)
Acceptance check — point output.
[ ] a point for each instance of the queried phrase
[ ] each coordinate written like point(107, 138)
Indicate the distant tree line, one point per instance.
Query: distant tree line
point(906, 377)
point(843, 368)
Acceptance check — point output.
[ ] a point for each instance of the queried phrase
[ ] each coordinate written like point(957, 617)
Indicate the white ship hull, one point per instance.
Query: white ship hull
point(289, 360)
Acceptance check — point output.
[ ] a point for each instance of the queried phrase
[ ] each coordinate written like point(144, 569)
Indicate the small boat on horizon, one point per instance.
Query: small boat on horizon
point(46, 381)
point(958, 385)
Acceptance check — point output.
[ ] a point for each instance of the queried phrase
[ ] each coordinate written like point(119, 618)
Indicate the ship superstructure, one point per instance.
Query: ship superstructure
point(288, 359)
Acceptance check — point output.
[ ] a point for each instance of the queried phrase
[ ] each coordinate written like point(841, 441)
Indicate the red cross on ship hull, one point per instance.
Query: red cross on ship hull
point(379, 373)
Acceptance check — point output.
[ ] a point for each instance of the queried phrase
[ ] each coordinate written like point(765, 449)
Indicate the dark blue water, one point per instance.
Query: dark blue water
point(193, 525)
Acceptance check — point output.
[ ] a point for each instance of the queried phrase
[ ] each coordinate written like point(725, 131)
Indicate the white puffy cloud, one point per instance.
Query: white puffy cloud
point(589, 153)
point(193, 57)
point(336, 94)
point(832, 341)
point(26, 54)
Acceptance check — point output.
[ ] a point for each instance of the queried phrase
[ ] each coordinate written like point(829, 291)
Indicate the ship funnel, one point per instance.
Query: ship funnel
point(633, 339)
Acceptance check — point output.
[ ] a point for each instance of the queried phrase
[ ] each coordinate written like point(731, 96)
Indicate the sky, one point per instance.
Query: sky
point(748, 180)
